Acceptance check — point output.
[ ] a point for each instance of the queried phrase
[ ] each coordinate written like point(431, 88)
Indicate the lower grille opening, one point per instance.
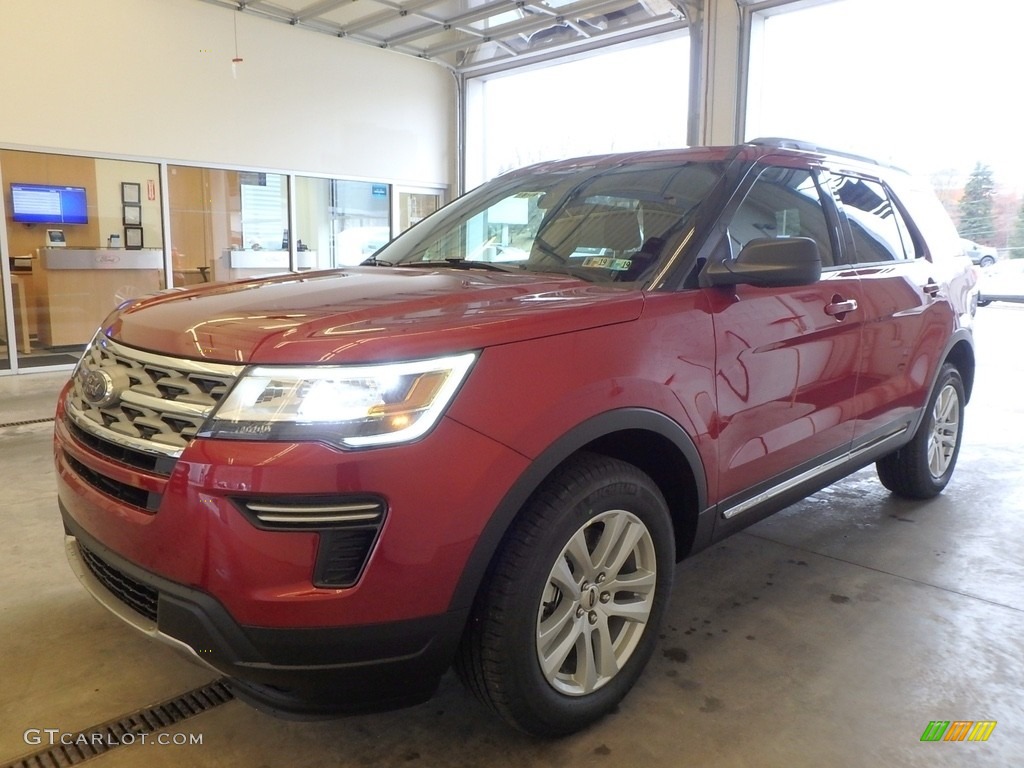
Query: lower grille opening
point(155, 463)
point(129, 494)
point(137, 596)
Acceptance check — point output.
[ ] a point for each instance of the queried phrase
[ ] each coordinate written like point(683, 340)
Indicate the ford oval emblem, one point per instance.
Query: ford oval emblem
point(98, 388)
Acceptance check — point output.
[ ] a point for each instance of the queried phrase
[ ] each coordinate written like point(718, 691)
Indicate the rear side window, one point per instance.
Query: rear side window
point(783, 202)
point(880, 232)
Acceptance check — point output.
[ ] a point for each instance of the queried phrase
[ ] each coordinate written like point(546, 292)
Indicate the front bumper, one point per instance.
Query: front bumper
point(304, 672)
point(179, 554)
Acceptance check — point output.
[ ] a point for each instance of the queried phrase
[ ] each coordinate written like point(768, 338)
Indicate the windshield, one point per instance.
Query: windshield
point(609, 224)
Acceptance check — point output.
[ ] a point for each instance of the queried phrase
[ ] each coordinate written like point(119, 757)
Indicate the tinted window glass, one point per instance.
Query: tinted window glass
point(879, 230)
point(783, 202)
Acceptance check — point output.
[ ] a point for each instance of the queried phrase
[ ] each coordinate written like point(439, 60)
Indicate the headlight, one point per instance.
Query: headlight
point(352, 406)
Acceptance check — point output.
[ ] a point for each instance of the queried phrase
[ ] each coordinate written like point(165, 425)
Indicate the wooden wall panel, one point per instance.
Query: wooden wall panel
point(41, 168)
point(190, 227)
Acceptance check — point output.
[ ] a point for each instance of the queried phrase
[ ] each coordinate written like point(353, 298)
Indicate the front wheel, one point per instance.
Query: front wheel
point(923, 467)
point(569, 616)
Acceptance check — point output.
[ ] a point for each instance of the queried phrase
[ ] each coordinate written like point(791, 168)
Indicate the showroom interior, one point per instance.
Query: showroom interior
point(219, 140)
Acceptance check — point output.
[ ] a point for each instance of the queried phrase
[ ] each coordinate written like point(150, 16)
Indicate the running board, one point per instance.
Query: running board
point(809, 475)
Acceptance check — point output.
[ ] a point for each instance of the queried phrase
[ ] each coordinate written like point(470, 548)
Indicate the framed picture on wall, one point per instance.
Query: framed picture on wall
point(133, 237)
point(131, 192)
point(132, 215)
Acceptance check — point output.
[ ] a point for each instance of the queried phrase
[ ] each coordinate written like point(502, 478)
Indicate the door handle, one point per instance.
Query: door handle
point(839, 307)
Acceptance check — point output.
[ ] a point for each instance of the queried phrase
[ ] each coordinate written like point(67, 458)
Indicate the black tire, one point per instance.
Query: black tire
point(923, 467)
point(987, 261)
point(521, 615)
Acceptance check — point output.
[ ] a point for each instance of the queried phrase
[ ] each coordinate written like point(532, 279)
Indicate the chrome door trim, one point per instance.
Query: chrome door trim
point(787, 485)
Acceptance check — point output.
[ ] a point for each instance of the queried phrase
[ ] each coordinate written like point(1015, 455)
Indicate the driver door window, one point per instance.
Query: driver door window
point(783, 202)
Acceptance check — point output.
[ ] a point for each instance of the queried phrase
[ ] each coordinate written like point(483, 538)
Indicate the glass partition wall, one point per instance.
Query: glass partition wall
point(221, 225)
point(339, 223)
point(82, 235)
point(225, 224)
point(414, 206)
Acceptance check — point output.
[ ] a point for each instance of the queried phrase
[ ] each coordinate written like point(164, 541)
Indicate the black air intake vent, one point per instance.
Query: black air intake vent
point(139, 498)
point(348, 527)
point(341, 557)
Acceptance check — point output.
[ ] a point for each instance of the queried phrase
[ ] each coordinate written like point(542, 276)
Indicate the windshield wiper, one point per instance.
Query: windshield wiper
point(463, 264)
point(375, 262)
point(580, 273)
point(547, 249)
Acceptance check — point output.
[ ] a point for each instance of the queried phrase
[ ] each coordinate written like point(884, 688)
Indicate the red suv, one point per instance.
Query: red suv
point(489, 444)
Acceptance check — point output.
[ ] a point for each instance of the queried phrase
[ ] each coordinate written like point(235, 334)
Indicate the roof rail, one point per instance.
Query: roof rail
point(807, 146)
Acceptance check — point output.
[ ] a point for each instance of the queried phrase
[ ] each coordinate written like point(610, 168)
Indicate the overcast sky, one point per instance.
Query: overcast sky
point(933, 86)
point(929, 85)
point(590, 106)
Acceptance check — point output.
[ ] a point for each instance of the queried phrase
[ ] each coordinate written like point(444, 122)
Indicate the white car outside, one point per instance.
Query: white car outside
point(982, 255)
point(1002, 282)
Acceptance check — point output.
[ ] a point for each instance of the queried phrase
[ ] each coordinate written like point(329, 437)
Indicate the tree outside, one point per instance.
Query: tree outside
point(1016, 240)
point(977, 215)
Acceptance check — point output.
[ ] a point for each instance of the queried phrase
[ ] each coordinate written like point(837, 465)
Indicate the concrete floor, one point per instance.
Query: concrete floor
point(828, 635)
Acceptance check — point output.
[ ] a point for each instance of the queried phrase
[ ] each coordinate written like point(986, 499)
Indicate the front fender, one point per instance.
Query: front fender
point(543, 465)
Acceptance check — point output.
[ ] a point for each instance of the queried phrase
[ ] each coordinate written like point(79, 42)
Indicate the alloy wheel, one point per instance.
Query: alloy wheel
point(945, 430)
point(596, 603)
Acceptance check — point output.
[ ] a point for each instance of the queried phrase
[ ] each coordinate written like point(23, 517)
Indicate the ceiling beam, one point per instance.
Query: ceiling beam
point(318, 9)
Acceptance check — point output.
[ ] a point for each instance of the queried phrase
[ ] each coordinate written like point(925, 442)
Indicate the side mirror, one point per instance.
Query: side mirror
point(770, 262)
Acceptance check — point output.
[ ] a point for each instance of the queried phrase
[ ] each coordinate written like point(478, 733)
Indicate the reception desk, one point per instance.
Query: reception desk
point(78, 287)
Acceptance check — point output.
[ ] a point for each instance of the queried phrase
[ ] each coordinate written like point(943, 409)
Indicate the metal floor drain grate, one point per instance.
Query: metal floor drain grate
point(74, 748)
point(23, 423)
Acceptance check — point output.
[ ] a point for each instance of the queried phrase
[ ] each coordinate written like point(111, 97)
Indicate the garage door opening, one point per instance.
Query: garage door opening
point(624, 99)
point(923, 84)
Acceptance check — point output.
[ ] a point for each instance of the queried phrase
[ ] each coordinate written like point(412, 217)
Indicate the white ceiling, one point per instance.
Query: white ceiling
point(475, 35)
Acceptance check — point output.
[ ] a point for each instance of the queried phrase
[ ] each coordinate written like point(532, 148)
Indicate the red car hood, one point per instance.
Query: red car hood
point(366, 314)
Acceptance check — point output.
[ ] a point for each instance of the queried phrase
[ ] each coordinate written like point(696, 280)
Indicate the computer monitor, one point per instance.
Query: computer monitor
point(55, 238)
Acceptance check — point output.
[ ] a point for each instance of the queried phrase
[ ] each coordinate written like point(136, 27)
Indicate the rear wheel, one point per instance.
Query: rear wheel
point(569, 616)
point(923, 467)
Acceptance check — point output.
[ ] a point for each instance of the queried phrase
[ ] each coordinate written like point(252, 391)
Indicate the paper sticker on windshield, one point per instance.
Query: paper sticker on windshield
point(604, 262)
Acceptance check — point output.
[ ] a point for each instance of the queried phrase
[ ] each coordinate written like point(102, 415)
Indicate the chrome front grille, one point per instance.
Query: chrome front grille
point(130, 401)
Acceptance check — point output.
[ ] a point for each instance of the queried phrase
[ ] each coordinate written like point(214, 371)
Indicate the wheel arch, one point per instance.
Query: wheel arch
point(670, 469)
point(647, 439)
point(961, 354)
